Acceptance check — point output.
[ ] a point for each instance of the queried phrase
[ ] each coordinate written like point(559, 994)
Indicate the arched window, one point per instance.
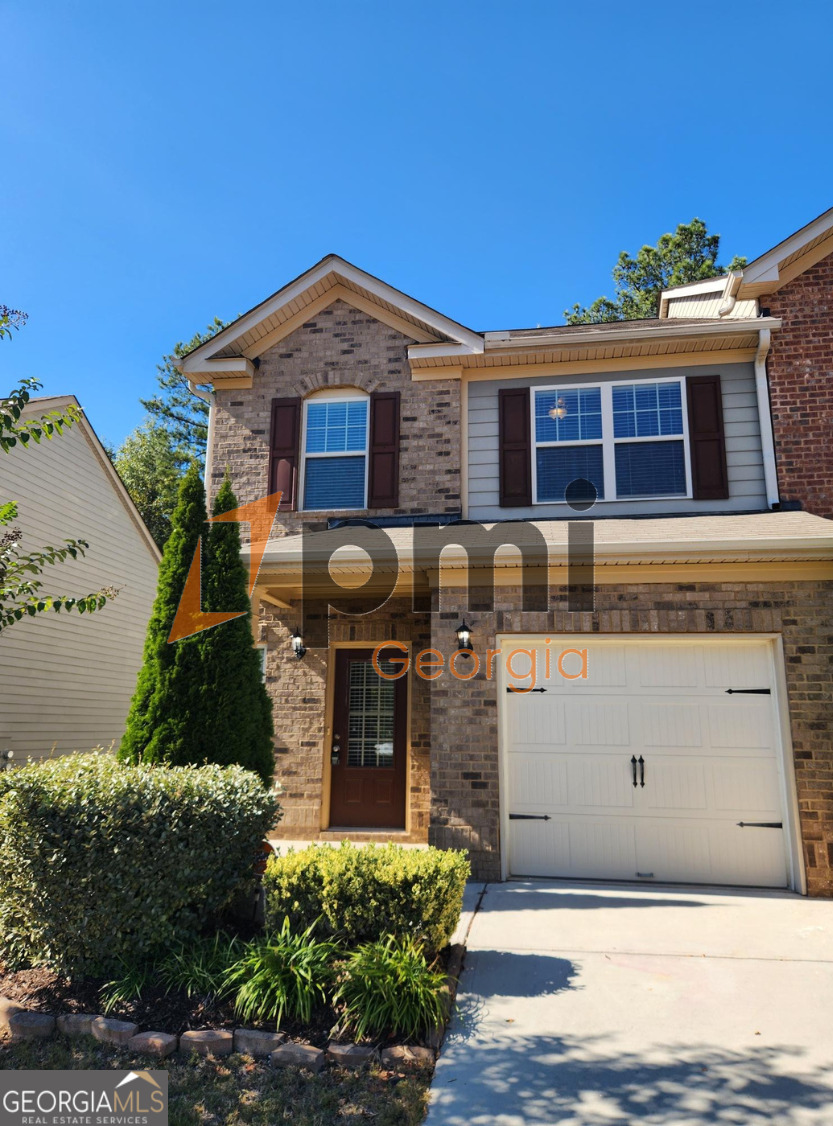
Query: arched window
point(335, 439)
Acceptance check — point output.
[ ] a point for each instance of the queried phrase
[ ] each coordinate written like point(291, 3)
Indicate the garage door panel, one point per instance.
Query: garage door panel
point(675, 785)
point(736, 665)
point(737, 725)
point(598, 724)
point(747, 787)
point(755, 857)
point(538, 782)
point(539, 848)
point(600, 781)
point(536, 721)
point(598, 848)
point(674, 851)
point(670, 725)
point(681, 667)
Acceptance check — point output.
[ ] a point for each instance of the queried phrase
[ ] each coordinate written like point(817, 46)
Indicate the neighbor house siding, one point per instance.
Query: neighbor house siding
point(741, 427)
point(66, 679)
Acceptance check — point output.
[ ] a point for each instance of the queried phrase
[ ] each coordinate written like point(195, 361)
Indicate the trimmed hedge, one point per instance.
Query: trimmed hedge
point(363, 894)
point(103, 863)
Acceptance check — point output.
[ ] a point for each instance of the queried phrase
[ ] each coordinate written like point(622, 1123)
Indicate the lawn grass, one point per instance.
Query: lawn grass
point(239, 1091)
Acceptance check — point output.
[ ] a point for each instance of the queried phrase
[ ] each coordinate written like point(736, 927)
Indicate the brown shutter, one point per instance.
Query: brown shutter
point(705, 431)
point(284, 441)
point(515, 450)
point(383, 475)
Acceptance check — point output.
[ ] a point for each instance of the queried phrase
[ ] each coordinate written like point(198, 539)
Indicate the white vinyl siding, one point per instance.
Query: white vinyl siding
point(747, 490)
point(66, 680)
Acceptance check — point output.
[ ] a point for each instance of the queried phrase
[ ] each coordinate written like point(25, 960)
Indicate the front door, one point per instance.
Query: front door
point(368, 750)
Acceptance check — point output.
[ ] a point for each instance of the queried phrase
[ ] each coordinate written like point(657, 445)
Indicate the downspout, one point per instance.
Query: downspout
point(207, 397)
point(730, 293)
point(765, 418)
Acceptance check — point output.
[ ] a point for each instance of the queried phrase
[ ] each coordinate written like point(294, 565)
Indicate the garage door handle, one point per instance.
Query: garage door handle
point(633, 768)
point(749, 691)
point(529, 817)
point(641, 771)
point(761, 824)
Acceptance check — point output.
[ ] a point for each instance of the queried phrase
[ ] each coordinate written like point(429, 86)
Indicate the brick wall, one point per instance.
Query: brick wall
point(800, 369)
point(298, 691)
point(464, 753)
point(341, 346)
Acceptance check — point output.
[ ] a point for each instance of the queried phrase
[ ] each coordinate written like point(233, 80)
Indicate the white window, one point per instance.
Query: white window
point(630, 439)
point(334, 473)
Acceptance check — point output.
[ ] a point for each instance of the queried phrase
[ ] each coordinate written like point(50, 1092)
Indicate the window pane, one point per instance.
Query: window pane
point(334, 482)
point(336, 426)
point(650, 469)
point(647, 410)
point(371, 711)
point(557, 467)
point(579, 416)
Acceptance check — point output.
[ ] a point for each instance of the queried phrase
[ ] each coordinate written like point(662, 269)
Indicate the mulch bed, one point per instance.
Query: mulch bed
point(45, 991)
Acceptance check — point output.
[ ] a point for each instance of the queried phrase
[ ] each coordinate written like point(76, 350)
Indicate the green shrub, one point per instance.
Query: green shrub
point(129, 985)
point(285, 972)
point(103, 863)
point(390, 989)
point(362, 894)
point(198, 969)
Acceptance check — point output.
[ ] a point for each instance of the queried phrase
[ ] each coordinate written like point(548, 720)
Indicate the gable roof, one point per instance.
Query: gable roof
point(230, 354)
point(46, 403)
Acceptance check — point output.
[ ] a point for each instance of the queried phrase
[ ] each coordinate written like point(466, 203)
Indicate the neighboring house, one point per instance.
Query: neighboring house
point(698, 746)
point(67, 678)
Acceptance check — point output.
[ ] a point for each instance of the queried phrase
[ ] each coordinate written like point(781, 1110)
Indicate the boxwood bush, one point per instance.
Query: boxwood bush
point(367, 893)
point(103, 863)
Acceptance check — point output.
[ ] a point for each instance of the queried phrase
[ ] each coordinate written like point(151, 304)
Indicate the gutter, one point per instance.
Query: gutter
point(765, 419)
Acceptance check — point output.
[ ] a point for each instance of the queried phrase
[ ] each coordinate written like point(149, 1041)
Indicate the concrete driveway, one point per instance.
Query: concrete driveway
point(591, 1004)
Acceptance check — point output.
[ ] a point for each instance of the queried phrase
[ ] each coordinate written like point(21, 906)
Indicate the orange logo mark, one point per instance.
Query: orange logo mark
point(190, 617)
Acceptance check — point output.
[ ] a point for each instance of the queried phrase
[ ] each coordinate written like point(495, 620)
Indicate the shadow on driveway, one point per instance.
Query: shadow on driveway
point(548, 1080)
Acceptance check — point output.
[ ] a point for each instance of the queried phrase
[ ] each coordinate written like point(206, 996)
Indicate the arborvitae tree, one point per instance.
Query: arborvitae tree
point(238, 707)
point(166, 719)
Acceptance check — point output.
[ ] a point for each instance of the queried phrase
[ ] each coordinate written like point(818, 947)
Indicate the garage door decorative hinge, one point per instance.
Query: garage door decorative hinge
point(529, 817)
point(524, 691)
point(761, 824)
point(749, 691)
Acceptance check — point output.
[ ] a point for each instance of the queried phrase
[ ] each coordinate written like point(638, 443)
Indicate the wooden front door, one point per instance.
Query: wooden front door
point(368, 750)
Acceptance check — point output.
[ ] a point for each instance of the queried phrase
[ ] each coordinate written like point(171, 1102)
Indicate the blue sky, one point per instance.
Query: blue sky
point(165, 162)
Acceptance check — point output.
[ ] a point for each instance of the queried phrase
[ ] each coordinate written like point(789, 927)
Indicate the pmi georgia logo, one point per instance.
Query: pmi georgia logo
point(83, 1098)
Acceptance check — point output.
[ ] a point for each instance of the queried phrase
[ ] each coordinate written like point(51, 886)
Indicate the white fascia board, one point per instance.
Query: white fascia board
point(764, 268)
point(432, 351)
point(694, 289)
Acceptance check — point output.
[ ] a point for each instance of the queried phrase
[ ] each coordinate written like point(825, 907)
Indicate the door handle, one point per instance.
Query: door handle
point(335, 753)
point(633, 768)
point(641, 761)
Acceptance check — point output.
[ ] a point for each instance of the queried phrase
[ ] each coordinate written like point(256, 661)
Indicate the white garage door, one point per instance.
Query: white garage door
point(650, 768)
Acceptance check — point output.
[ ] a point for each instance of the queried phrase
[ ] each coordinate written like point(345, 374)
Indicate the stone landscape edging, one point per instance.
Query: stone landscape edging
point(26, 1024)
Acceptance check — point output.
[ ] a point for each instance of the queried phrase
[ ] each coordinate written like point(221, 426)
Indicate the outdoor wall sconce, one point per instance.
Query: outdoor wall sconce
point(298, 645)
point(464, 638)
point(559, 410)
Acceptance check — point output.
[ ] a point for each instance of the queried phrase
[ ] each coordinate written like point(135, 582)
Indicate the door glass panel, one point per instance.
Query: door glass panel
point(371, 714)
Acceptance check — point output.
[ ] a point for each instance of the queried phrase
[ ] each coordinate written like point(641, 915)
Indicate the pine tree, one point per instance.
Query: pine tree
point(238, 706)
point(166, 719)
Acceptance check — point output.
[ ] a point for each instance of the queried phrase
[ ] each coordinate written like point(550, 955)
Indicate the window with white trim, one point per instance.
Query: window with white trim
point(630, 439)
point(335, 451)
